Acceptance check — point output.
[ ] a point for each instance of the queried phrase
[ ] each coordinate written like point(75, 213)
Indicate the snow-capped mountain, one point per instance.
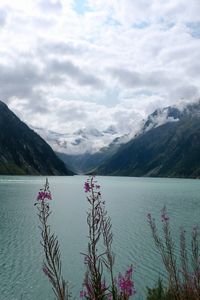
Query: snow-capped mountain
point(168, 145)
point(92, 140)
point(86, 149)
point(160, 117)
point(81, 141)
point(168, 114)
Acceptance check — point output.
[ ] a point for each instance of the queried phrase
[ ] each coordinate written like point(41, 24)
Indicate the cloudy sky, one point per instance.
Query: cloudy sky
point(70, 64)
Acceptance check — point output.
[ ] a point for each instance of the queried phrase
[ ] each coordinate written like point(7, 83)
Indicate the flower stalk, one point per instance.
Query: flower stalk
point(52, 261)
point(183, 280)
point(100, 236)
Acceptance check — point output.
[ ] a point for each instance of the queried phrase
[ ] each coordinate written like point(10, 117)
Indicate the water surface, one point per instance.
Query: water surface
point(128, 201)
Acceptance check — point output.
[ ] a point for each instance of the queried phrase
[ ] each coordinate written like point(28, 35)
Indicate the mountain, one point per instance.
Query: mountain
point(161, 116)
point(168, 145)
point(86, 162)
point(22, 151)
point(84, 149)
point(78, 142)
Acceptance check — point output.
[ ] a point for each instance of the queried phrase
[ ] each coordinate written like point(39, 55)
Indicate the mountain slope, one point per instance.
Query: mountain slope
point(82, 141)
point(169, 150)
point(22, 151)
point(85, 163)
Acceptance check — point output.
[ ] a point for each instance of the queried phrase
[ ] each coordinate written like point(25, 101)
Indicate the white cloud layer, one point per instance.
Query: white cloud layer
point(66, 65)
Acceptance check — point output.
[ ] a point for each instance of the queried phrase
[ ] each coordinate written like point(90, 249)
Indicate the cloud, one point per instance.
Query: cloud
point(185, 92)
point(65, 65)
point(131, 12)
point(18, 80)
point(134, 79)
point(156, 82)
point(50, 6)
point(61, 48)
point(3, 17)
point(67, 68)
point(80, 114)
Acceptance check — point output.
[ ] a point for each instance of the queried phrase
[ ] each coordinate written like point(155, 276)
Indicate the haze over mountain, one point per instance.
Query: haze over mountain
point(85, 149)
point(167, 148)
point(84, 163)
point(24, 152)
point(81, 141)
point(172, 120)
point(167, 144)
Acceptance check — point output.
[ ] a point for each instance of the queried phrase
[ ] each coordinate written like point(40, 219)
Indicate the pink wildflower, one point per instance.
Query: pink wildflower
point(129, 272)
point(83, 294)
point(44, 196)
point(164, 217)
point(45, 270)
point(126, 284)
point(87, 187)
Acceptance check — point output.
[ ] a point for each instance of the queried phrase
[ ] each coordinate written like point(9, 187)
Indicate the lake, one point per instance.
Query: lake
point(128, 200)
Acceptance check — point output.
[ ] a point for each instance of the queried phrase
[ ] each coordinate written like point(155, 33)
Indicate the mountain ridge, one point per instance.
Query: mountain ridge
point(23, 151)
point(169, 150)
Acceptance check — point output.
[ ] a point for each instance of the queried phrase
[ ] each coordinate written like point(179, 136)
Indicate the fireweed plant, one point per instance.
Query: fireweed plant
point(50, 244)
point(184, 269)
point(95, 285)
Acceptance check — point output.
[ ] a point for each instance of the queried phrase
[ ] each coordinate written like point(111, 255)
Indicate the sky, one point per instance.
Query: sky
point(71, 64)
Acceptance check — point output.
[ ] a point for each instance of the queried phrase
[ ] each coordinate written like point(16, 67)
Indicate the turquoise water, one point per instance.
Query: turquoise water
point(128, 201)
